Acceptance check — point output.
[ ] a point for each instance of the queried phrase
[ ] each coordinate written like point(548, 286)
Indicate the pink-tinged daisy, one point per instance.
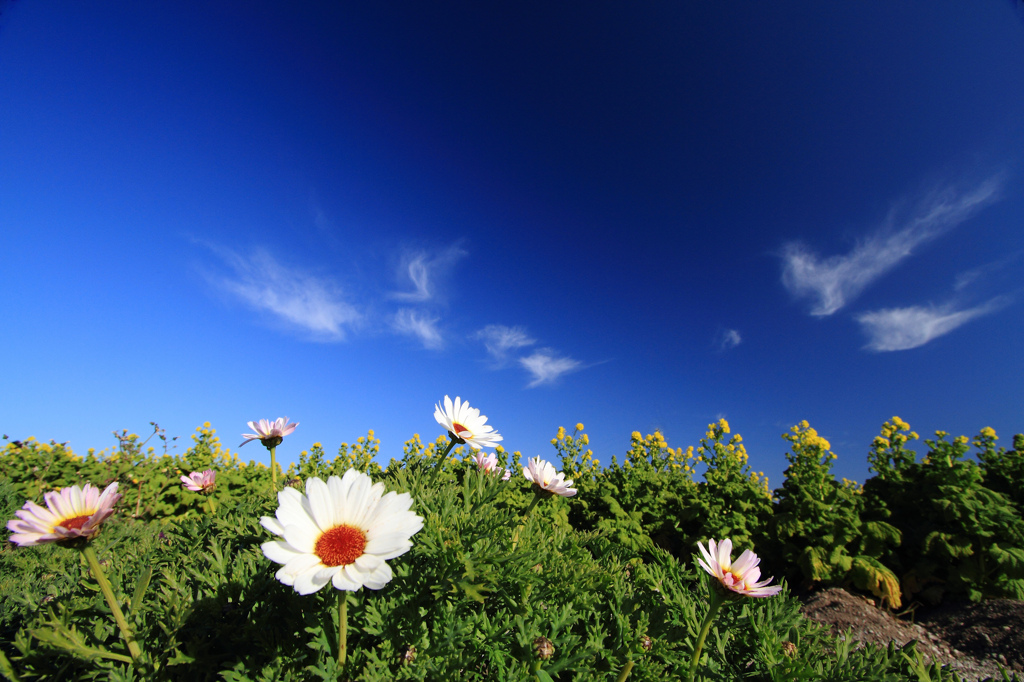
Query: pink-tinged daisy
point(740, 577)
point(199, 481)
point(340, 532)
point(489, 463)
point(70, 513)
point(544, 476)
point(465, 425)
point(270, 433)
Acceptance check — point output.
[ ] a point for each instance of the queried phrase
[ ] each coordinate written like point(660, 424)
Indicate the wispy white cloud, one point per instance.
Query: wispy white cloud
point(546, 367)
point(500, 340)
point(420, 268)
point(414, 323)
point(833, 282)
point(314, 304)
point(728, 339)
point(906, 328)
point(969, 277)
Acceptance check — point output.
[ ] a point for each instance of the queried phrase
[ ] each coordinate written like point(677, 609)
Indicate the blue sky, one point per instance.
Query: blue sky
point(635, 216)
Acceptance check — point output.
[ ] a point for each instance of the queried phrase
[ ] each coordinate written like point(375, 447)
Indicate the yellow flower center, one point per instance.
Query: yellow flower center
point(340, 546)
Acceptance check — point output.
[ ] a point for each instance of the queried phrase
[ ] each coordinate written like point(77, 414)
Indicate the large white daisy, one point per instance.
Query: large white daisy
point(342, 531)
point(466, 424)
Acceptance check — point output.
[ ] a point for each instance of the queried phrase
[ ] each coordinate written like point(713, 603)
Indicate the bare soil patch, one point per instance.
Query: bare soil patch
point(973, 638)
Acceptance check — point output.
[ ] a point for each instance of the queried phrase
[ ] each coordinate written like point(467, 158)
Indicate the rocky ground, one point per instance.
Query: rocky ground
point(973, 638)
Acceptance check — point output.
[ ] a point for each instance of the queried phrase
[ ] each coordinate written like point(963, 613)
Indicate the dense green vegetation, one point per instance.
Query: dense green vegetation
point(607, 576)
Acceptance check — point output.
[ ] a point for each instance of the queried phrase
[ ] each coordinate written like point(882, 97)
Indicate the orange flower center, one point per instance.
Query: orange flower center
point(75, 523)
point(340, 546)
point(459, 428)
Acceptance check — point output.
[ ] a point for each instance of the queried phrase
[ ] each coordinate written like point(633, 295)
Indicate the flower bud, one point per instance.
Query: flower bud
point(409, 656)
point(789, 649)
point(646, 643)
point(543, 648)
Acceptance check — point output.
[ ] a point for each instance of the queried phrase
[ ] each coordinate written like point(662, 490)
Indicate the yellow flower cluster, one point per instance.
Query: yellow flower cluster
point(989, 432)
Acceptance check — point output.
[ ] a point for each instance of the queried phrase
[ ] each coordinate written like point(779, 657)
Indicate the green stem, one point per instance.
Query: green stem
point(273, 468)
point(213, 505)
point(522, 524)
point(451, 444)
point(626, 670)
point(342, 627)
point(108, 594)
point(714, 603)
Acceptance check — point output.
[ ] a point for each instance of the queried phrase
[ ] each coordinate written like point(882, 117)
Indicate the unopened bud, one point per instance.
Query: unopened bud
point(789, 648)
point(294, 483)
point(646, 643)
point(543, 648)
point(409, 656)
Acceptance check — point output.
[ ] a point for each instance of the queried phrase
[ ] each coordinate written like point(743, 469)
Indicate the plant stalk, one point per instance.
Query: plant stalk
point(522, 524)
point(342, 627)
point(273, 468)
point(715, 601)
point(213, 505)
point(626, 670)
point(108, 594)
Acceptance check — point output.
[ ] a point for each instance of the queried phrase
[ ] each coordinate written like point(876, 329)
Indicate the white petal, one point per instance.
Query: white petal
point(342, 582)
point(365, 508)
point(310, 581)
point(300, 564)
point(327, 572)
point(280, 552)
point(320, 503)
point(405, 524)
point(367, 563)
point(272, 524)
point(301, 537)
point(355, 575)
point(389, 547)
point(379, 578)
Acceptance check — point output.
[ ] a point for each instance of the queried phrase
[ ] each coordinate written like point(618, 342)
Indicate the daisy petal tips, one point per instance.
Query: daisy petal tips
point(465, 424)
point(270, 433)
point(69, 514)
point(340, 532)
point(544, 476)
point(739, 578)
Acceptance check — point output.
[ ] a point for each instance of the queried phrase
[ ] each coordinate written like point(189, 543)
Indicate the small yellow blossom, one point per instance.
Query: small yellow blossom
point(579, 426)
point(724, 425)
point(636, 436)
point(989, 432)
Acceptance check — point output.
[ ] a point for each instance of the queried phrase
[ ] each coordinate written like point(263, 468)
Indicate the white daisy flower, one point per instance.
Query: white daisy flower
point(740, 577)
point(342, 531)
point(69, 514)
point(465, 424)
point(270, 433)
point(546, 478)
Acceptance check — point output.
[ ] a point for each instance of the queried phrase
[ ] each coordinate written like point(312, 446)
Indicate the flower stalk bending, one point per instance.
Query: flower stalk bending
point(108, 593)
